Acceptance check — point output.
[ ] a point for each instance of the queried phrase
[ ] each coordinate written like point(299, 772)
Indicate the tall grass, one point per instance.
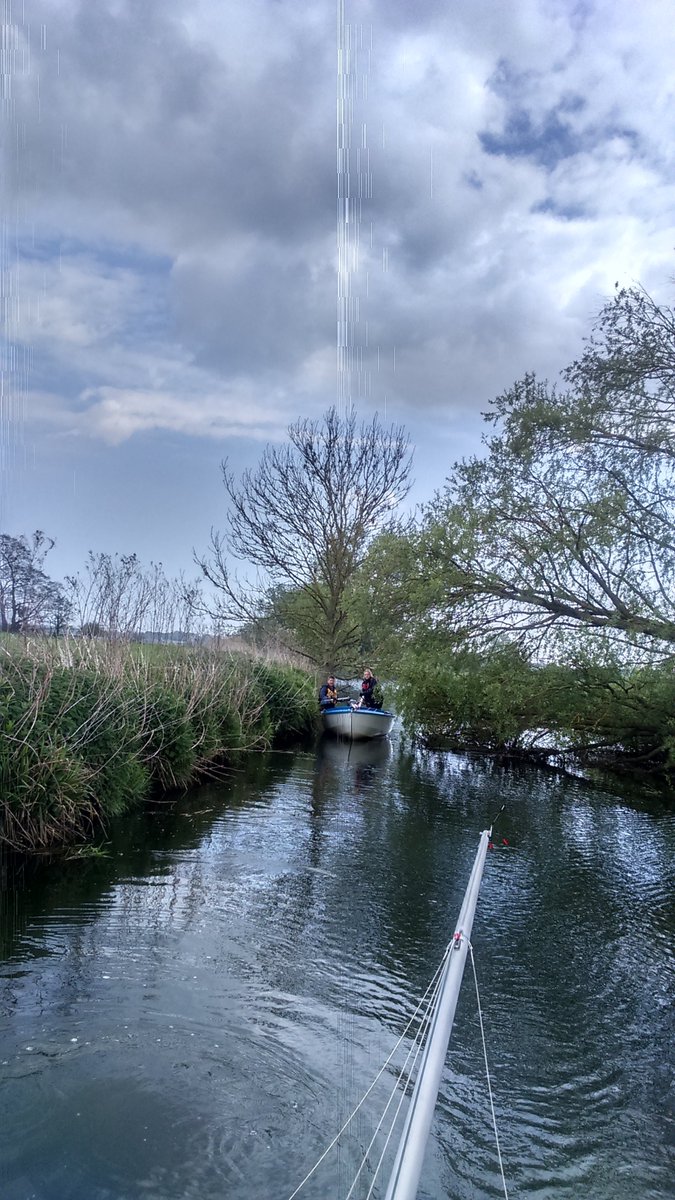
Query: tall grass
point(90, 728)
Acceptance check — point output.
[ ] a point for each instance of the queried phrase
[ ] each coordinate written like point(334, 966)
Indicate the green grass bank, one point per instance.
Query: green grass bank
point(90, 729)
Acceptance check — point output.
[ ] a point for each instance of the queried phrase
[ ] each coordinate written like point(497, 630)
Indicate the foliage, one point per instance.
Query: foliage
point(470, 701)
point(499, 701)
point(287, 620)
point(305, 517)
point(395, 596)
point(567, 522)
point(88, 728)
point(29, 599)
point(99, 719)
point(290, 699)
point(168, 745)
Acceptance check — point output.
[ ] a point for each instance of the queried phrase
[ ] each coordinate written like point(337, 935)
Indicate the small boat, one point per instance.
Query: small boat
point(357, 723)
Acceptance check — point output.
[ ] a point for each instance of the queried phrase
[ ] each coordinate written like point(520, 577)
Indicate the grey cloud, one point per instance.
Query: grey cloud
point(150, 134)
point(142, 119)
point(266, 308)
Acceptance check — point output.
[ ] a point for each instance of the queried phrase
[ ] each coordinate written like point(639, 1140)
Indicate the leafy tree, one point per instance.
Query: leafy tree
point(397, 597)
point(305, 517)
point(29, 599)
point(528, 610)
point(567, 522)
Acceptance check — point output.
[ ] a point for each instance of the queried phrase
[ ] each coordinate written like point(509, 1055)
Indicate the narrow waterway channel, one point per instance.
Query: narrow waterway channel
point(194, 1015)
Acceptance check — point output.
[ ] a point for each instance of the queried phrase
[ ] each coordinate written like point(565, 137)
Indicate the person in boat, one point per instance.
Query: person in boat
point(367, 698)
point(328, 694)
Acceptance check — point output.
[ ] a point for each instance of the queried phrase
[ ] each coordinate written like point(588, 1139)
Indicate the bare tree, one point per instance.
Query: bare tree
point(115, 596)
point(111, 595)
point(304, 518)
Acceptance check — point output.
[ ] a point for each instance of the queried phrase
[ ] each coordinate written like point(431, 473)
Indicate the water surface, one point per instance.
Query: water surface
point(196, 1014)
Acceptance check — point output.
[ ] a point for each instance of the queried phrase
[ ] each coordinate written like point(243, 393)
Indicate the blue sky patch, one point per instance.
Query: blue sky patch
point(564, 212)
point(546, 143)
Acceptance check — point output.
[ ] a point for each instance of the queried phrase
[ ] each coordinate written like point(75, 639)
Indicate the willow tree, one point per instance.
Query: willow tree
point(567, 522)
point(303, 518)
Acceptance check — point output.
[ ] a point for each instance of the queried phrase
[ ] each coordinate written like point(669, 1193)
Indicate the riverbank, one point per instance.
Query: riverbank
point(585, 717)
point(90, 728)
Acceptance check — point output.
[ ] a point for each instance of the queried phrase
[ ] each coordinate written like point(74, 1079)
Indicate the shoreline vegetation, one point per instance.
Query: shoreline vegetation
point(526, 612)
point(91, 728)
point(582, 718)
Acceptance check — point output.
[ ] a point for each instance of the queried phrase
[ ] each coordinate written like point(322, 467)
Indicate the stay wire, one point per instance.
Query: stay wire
point(431, 986)
point(487, 1073)
point(403, 1092)
point(404, 1079)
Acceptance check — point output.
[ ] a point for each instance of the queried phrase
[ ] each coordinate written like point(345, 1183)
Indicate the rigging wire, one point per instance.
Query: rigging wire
point(404, 1089)
point(432, 986)
point(428, 1025)
point(404, 1076)
point(487, 1073)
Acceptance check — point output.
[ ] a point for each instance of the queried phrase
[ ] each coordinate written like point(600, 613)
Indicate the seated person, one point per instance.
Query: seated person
point(368, 686)
point(328, 694)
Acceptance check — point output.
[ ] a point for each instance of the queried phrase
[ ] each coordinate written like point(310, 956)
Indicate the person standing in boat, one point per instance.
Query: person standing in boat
point(367, 698)
point(328, 694)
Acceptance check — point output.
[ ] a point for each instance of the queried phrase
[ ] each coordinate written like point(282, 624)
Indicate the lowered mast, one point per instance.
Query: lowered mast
point(404, 1179)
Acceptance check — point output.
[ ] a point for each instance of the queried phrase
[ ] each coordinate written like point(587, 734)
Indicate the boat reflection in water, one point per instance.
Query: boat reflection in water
point(371, 753)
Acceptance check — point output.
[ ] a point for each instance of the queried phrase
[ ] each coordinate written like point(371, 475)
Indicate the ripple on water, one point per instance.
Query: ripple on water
point(233, 1001)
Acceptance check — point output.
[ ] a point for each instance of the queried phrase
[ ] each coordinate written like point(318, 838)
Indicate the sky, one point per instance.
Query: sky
point(181, 263)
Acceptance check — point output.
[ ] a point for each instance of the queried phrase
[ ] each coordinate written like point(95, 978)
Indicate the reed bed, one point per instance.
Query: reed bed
point(91, 728)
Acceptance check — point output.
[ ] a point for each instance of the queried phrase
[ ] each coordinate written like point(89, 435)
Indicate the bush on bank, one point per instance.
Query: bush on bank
point(90, 729)
point(501, 703)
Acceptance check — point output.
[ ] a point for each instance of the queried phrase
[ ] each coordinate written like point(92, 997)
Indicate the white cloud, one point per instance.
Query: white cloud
point(115, 414)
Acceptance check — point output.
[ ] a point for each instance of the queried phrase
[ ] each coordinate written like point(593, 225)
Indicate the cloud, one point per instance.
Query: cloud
point(255, 302)
point(151, 134)
point(174, 200)
point(116, 414)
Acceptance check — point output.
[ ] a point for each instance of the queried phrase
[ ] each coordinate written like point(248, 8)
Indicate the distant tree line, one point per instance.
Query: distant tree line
point(113, 596)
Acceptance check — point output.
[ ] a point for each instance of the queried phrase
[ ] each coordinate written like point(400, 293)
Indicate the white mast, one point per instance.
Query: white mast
point(405, 1175)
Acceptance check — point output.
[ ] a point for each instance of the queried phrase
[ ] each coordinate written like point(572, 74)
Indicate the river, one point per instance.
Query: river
point(196, 1013)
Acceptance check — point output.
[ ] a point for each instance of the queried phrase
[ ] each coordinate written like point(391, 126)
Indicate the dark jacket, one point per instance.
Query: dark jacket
point(328, 696)
point(367, 688)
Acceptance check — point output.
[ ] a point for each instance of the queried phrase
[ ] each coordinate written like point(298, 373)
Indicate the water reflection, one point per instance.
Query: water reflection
point(139, 847)
point(195, 1014)
point(357, 765)
point(340, 752)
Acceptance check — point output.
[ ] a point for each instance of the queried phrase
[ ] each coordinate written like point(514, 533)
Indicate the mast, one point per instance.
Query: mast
point(407, 1167)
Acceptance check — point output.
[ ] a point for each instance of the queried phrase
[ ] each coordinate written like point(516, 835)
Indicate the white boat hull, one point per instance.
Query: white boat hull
point(357, 724)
